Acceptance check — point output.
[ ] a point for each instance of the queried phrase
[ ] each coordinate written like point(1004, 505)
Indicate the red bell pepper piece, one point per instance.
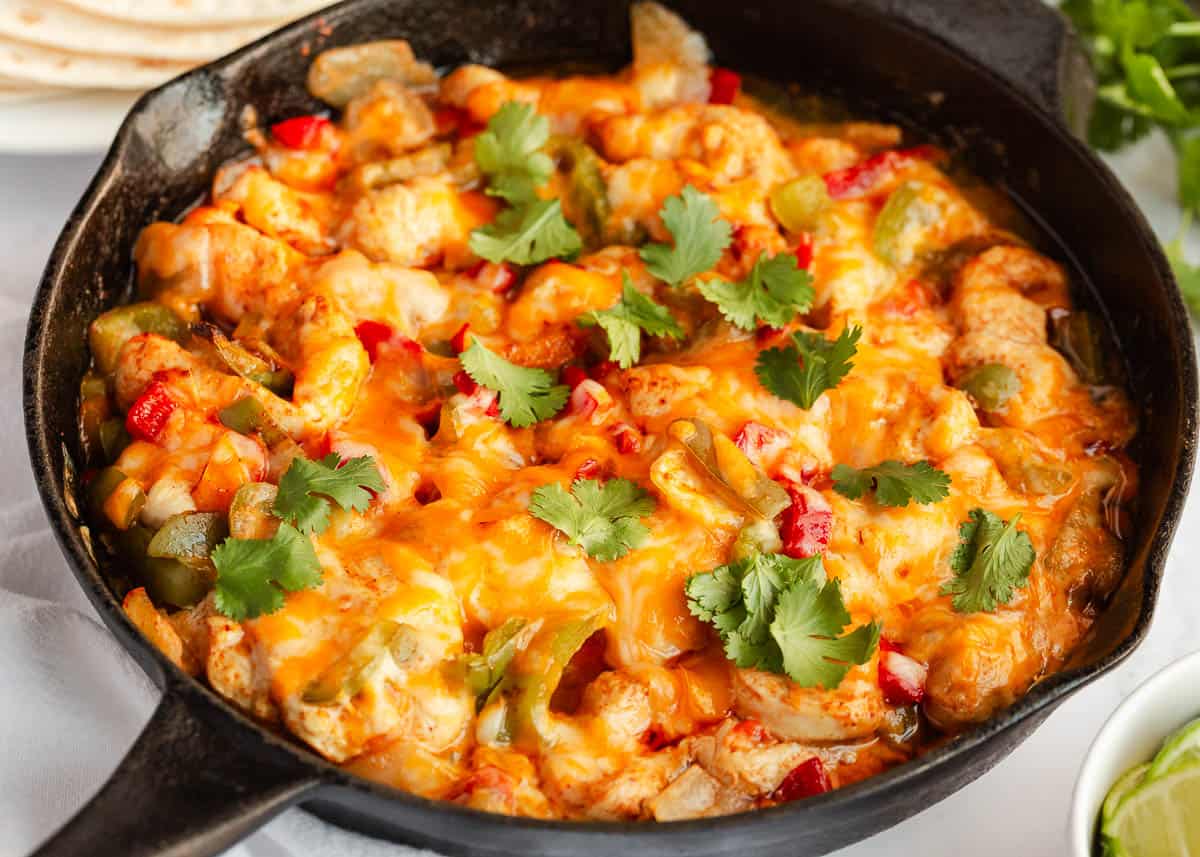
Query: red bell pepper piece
point(723, 86)
point(300, 132)
point(805, 780)
point(627, 438)
point(807, 524)
point(372, 334)
point(582, 402)
point(150, 412)
point(465, 383)
point(803, 251)
point(901, 678)
point(861, 179)
point(573, 376)
point(590, 468)
point(459, 340)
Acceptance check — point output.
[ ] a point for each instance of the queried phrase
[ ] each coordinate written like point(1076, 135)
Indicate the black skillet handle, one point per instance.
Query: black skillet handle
point(184, 790)
point(1026, 42)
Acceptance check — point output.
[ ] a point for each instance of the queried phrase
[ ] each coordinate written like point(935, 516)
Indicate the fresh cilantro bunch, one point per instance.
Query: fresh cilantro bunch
point(991, 562)
point(801, 371)
point(624, 322)
point(776, 289)
point(894, 482)
point(782, 615)
point(600, 518)
point(526, 395)
point(700, 236)
point(509, 153)
point(253, 574)
point(1146, 56)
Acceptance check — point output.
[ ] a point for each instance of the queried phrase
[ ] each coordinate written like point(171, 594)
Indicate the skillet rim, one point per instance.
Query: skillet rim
point(1038, 700)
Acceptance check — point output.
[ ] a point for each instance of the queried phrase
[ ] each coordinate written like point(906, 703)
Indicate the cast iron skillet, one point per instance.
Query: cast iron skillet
point(996, 75)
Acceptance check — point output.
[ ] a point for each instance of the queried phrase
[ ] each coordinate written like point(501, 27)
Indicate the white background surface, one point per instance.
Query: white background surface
point(71, 703)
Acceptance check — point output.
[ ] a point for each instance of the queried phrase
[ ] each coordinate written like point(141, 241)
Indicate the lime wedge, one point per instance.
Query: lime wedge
point(1160, 818)
point(1121, 789)
point(1182, 748)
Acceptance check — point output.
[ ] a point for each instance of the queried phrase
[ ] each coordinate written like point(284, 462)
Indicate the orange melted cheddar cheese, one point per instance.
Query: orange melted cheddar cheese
point(448, 641)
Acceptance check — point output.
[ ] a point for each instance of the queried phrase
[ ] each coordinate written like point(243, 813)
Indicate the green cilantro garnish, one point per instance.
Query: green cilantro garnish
point(776, 290)
point(527, 235)
point(803, 370)
point(601, 519)
point(991, 561)
point(527, 395)
point(895, 483)
point(509, 153)
point(253, 574)
point(782, 615)
point(307, 487)
point(625, 321)
point(700, 235)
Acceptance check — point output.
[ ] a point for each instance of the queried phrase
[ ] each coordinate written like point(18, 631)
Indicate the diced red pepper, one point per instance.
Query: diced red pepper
point(459, 340)
point(493, 408)
point(805, 780)
point(583, 401)
point(627, 438)
point(573, 376)
point(300, 132)
point(901, 678)
point(150, 412)
point(861, 179)
point(496, 278)
point(803, 251)
point(753, 438)
point(371, 334)
point(447, 120)
point(807, 524)
point(589, 468)
point(765, 335)
point(723, 86)
point(465, 383)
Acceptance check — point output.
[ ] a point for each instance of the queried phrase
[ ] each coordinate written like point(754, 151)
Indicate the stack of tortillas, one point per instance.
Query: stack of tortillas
point(53, 47)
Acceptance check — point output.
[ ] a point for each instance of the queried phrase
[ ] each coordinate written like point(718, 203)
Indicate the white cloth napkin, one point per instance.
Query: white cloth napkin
point(72, 701)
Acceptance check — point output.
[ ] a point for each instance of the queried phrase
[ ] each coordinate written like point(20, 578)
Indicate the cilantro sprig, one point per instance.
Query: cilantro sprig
point(624, 322)
point(782, 615)
point(894, 482)
point(700, 235)
point(254, 574)
point(801, 371)
point(774, 292)
point(306, 489)
point(527, 235)
point(509, 152)
point(603, 519)
point(991, 562)
point(527, 395)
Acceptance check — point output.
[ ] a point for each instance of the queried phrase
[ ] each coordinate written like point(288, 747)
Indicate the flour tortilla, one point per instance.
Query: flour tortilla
point(55, 25)
point(13, 91)
point(199, 13)
point(52, 67)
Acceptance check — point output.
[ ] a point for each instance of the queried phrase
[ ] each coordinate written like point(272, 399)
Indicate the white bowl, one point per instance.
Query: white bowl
point(1132, 735)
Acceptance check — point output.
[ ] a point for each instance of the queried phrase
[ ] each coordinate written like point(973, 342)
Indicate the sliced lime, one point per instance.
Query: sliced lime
point(1181, 749)
point(1160, 818)
point(1121, 789)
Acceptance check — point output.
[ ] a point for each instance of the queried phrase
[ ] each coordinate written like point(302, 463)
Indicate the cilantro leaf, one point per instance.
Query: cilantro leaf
point(624, 322)
point(991, 562)
point(527, 395)
point(307, 487)
point(782, 615)
point(601, 519)
point(527, 235)
point(509, 152)
point(700, 235)
point(802, 371)
point(253, 574)
point(774, 292)
point(895, 482)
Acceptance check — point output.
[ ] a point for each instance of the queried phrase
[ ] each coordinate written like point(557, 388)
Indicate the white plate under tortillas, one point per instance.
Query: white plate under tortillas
point(199, 13)
point(55, 25)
